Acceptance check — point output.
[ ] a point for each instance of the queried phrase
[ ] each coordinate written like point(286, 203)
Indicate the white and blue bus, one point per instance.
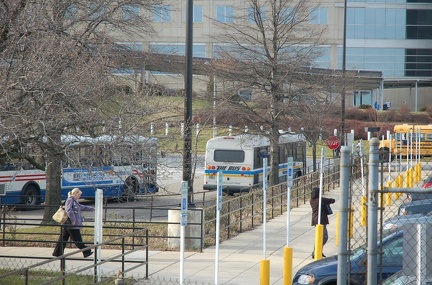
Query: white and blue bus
point(121, 166)
point(239, 159)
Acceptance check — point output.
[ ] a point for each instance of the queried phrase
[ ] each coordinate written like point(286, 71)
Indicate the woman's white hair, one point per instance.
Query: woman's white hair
point(74, 191)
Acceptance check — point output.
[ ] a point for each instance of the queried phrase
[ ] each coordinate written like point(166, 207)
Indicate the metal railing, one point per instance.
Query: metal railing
point(239, 213)
point(245, 212)
point(84, 271)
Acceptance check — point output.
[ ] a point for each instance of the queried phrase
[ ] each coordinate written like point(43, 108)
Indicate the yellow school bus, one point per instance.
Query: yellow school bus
point(408, 140)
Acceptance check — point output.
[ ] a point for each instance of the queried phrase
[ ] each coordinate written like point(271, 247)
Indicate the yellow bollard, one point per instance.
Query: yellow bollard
point(351, 223)
point(406, 176)
point(337, 228)
point(411, 177)
point(265, 272)
point(363, 211)
point(398, 184)
point(319, 234)
point(389, 201)
point(288, 265)
point(418, 172)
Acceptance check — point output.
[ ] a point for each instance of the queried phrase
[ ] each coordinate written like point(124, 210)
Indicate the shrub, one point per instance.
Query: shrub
point(365, 106)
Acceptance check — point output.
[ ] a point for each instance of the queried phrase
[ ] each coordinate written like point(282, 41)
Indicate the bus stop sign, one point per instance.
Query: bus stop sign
point(333, 142)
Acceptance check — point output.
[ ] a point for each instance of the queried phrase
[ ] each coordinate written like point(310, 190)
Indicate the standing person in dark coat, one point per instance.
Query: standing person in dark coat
point(72, 228)
point(314, 202)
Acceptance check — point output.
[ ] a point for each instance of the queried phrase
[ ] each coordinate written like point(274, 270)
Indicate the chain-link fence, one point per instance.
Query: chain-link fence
point(389, 219)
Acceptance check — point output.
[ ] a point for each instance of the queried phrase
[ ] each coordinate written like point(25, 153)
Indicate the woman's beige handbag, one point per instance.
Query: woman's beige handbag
point(60, 216)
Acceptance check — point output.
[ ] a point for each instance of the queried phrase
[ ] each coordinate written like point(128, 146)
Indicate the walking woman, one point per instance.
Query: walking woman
point(73, 226)
point(314, 202)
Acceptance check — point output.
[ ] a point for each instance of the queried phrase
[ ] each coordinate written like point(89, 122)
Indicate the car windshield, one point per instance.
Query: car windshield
point(361, 250)
point(398, 279)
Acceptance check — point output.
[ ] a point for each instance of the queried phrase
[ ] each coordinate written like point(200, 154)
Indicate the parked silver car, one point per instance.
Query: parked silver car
point(401, 279)
point(397, 222)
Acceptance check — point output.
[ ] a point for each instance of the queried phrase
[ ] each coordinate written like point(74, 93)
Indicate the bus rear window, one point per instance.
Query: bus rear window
point(229, 155)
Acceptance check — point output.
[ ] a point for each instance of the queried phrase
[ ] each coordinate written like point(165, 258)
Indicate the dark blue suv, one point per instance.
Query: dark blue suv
point(324, 271)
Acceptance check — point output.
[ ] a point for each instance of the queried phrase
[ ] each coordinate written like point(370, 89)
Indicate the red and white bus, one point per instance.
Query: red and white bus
point(121, 166)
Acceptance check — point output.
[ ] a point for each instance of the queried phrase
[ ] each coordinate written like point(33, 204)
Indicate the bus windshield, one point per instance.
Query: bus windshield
point(225, 155)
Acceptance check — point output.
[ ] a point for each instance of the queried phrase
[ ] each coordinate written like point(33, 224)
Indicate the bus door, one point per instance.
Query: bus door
point(258, 163)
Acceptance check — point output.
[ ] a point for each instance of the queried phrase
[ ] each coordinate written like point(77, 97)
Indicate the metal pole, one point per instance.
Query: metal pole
point(342, 134)
point(183, 224)
point(372, 247)
point(345, 165)
point(219, 208)
point(214, 106)
point(187, 146)
point(321, 185)
point(290, 177)
point(264, 205)
point(98, 239)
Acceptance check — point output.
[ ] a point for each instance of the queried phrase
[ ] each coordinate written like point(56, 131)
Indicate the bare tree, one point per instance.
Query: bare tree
point(312, 119)
point(264, 49)
point(56, 59)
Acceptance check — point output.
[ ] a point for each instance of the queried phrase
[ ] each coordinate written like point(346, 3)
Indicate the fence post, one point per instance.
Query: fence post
point(372, 247)
point(345, 171)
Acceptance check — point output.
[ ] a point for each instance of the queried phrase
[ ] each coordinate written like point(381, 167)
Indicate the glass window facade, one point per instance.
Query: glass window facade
point(96, 11)
point(419, 24)
point(198, 49)
point(319, 16)
point(323, 58)
point(418, 62)
point(197, 14)
point(362, 98)
point(130, 12)
point(251, 14)
point(162, 14)
point(391, 61)
point(390, 24)
point(224, 14)
point(365, 23)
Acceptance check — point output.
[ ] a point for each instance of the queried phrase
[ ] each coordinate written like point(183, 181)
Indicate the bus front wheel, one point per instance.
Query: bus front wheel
point(130, 188)
point(30, 195)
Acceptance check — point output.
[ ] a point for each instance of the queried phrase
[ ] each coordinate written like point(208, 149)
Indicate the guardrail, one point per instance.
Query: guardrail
point(78, 271)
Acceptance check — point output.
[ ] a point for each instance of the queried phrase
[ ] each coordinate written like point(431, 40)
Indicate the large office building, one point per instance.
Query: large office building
point(390, 36)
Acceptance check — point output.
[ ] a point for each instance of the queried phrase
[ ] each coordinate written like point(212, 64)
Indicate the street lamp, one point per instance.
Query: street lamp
point(214, 106)
point(187, 139)
point(213, 78)
point(342, 134)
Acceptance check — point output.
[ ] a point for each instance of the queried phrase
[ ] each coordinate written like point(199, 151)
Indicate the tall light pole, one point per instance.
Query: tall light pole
point(214, 106)
point(187, 139)
point(342, 133)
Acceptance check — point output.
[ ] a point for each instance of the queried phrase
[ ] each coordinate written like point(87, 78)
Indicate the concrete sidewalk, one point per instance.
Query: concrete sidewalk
point(239, 257)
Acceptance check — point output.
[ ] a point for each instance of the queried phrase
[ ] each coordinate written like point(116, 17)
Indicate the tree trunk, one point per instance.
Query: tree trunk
point(274, 157)
point(53, 187)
